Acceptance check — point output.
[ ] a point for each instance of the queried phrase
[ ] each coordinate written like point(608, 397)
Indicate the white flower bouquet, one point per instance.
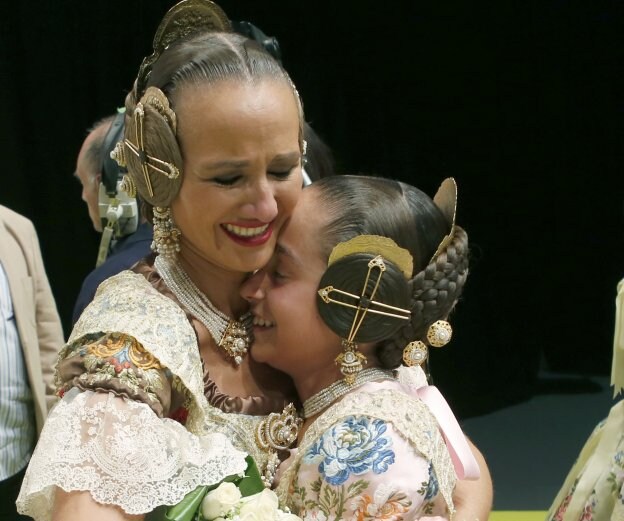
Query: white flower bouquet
point(226, 503)
point(237, 498)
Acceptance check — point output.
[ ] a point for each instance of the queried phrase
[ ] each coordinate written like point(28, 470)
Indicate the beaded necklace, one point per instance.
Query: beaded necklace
point(231, 335)
point(325, 397)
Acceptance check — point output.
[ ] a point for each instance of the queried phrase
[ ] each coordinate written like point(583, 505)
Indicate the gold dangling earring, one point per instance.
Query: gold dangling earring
point(166, 235)
point(439, 333)
point(415, 353)
point(350, 361)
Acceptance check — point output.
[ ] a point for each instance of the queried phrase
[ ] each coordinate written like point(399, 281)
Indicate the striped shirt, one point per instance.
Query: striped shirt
point(17, 420)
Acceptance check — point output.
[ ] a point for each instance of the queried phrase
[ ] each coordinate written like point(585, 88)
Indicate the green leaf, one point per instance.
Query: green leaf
point(356, 488)
point(252, 482)
point(185, 510)
point(188, 508)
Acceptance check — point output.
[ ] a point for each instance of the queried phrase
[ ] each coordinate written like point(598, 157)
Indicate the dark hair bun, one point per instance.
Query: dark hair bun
point(348, 274)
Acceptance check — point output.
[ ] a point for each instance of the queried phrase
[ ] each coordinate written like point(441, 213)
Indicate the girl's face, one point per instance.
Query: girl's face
point(242, 170)
point(289, 333)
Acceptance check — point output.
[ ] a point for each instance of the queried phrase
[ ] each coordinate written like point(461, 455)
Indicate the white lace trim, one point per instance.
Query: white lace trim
point(123, 454)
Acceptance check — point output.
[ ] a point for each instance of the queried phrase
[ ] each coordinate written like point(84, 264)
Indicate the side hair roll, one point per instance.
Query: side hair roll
point(434, 292)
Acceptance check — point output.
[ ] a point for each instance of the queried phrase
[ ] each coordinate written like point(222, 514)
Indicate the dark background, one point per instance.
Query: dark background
point(520, 101)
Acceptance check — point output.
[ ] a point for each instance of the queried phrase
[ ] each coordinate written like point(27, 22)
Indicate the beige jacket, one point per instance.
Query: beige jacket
point(36, 316)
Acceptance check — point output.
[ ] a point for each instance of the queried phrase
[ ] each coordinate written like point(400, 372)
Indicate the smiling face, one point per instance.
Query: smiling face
point(289, 333)
point(242, 170)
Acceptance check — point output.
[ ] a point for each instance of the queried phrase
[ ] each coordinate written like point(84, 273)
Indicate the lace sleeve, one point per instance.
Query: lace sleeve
point(123, 454)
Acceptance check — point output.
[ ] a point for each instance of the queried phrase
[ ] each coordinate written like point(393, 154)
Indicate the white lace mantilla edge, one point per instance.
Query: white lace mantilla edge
point(408, 415)
point(123, 454)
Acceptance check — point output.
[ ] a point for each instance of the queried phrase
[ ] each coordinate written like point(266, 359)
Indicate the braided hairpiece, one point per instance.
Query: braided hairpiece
point(435, 289)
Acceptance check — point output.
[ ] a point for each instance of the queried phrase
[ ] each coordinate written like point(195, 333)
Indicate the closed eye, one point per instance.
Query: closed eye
point(281, 175)
point(226, 180)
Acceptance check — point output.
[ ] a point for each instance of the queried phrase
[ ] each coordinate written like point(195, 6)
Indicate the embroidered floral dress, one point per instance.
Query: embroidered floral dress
point(377, 454)
point(594, 488)
point(140, 423)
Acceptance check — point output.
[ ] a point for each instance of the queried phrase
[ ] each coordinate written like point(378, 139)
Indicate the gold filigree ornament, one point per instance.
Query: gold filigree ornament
point(439, 333)
point(446, 200)
point(118, 155)
point(127, 185)
point(277, 432)
point(182, 21)
point(156, 98)
point(350, 361)
point(415, 353)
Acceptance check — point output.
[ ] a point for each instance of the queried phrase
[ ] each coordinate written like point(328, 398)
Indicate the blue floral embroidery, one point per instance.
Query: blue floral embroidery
point(432, 486)
point(354, 446)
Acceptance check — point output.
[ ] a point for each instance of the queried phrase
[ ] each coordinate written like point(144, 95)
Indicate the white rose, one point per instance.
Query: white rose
point(286, 516)
point(220, 500)
point(249, 516)
point(264, 505)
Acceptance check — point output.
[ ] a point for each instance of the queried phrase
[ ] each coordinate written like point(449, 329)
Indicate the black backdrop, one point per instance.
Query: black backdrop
point(520, 101)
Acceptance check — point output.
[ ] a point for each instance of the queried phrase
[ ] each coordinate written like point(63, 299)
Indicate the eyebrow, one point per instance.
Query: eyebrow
point(283, 250)
point(290, 156)
point(233, 163)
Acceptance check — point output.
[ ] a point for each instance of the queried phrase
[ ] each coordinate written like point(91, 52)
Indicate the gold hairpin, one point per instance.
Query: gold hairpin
point(375, 244)
point(364, 302)
point(138, 150)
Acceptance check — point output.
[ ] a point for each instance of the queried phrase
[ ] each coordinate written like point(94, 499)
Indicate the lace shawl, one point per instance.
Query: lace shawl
point(119, 449)
point(408, 415)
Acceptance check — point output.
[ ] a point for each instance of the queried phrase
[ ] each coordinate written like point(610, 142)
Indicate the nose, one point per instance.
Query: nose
point(262, 203)
point(254, 288)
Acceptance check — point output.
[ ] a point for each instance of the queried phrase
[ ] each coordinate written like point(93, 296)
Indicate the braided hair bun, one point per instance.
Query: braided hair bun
point(348, 275)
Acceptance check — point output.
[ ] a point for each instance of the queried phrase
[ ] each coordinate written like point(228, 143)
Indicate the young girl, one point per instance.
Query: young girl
point(366, 271)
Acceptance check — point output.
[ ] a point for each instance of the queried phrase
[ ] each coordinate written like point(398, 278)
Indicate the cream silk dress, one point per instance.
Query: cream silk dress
point(594, 488)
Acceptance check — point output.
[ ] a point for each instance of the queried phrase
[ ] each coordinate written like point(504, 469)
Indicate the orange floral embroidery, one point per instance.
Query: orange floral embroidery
point(117, 346)
point(392, 510)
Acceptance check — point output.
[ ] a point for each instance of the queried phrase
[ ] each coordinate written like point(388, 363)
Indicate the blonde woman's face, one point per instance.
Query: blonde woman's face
point(241, 168)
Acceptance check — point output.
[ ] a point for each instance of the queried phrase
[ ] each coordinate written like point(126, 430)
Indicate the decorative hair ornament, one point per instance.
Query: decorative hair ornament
point(439, 333)
point(155, 98)
point(182, 21)
point(128, 186)
point(375, 244)
point(446, 200)
point(350, 360)
point(415, 353)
